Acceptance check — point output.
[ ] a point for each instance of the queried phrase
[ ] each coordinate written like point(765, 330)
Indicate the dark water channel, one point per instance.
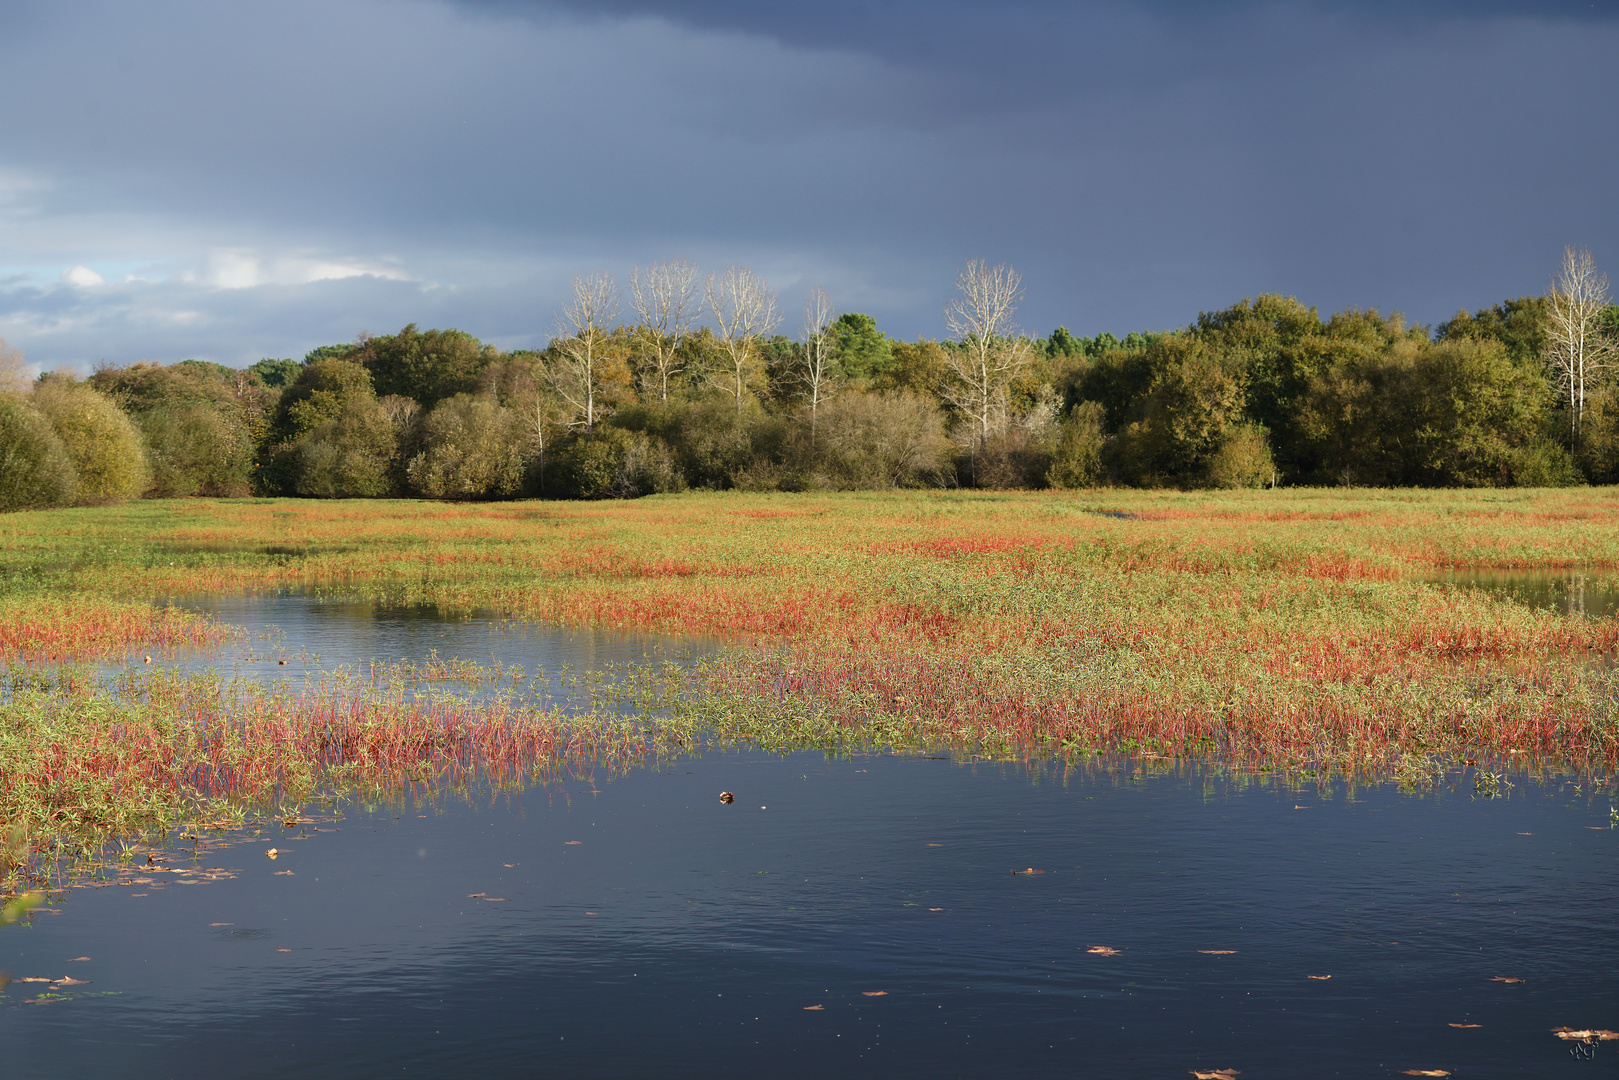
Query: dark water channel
point(856, 918)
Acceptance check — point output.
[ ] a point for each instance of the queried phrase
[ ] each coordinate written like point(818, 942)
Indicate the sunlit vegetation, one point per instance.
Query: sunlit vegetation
point(700, 389)
point(1289, 633)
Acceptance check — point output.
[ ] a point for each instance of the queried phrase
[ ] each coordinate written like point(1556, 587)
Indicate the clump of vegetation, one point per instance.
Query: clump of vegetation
point(35, 468)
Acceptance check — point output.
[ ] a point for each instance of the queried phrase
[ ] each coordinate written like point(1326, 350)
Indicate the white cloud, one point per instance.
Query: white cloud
point(81, 277)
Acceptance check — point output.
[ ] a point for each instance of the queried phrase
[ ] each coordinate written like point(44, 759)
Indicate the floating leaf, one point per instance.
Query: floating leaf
point(476, 895)
point(1426, 1072)
point(283, 950)
point(1301, 807)
point(1590, 1035)
point(77, 959)
point(1102, 950)
point(874, 993)
point(727, 797)
point(590, 913)
point(283, 873)
point(1467, 1025)
point(221, 924)
point(272, 853)
point(814, 1008)
point(1218, 1074)
point(935, 909)
point(1218, 952)
point(1319, 978)
point(572, 842)
point(1030, 870)
point(1506, 979)
point(508, 865)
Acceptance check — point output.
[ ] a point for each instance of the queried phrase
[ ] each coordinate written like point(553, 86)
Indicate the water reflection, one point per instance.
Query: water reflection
point(1594, 596)
point(296, 635)
point(857, 916)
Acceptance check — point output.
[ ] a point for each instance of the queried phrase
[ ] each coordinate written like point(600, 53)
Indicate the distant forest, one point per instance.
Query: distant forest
point(696, 387)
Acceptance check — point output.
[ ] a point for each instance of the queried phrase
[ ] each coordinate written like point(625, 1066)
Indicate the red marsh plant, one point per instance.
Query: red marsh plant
point(1277, 626)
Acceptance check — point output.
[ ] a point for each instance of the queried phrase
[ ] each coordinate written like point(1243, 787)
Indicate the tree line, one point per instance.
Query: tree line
point(695, 386)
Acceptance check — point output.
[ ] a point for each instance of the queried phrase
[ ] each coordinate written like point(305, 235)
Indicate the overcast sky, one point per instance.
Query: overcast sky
point(230, 181)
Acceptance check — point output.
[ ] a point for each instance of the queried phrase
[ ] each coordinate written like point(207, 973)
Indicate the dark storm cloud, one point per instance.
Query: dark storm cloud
point(189, 178)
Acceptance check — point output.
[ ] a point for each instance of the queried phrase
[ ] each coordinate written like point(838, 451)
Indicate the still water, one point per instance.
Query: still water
point(1593, 596)
point(857, 917)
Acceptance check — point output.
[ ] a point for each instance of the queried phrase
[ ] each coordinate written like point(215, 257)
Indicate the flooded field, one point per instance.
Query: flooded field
point(873, 915)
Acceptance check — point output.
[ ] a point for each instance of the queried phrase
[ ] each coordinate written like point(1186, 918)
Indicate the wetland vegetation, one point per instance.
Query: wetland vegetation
point(1299, 633)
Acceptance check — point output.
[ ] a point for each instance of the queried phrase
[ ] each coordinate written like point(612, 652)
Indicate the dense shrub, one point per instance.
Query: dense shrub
point(873, 441)
point(348, 456)
point(1243, 460)
point(107, 451)
point(471, 448)
point(1077, 461)
point(35, 469)
point(201, 423)
point(613, 463)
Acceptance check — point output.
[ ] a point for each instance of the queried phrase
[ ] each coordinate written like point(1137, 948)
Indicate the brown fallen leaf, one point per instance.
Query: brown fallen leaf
point(572, 842)
point(935, 909)
point(1467, 1025)
point(283, 950)
point(1526, 834)
point(1591, 1035)
point(475, 895)
point(727, 797)
point(1505, 979)
point(590, 913)
point(77, 959)
point(283, 873)
point(1301, 807)
point(1030, 870)
point(508, 865)
point(272, 853)
point(1217, 1074)
point(1102, 950)
point(874, 993)
point(814, 1008)
point(1426, 1072)
point(1218, 952)
point(221, 924)
point(137, 894)
point(935, 845)
point(1319, 978)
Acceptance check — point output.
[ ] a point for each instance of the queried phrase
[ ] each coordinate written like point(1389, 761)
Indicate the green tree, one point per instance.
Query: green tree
point(1078, 460)
point(864, 352)
point(35, 469)
point(274, 373)
point(472, 448)
point(425, 366)
point(108, 453)
point(201, 423)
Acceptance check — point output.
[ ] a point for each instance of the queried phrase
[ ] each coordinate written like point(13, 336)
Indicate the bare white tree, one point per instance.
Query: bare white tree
point(580, 346)
point(667, 302)
point(1576, 349)
point(744, 311)
point(991, 354)
point(13, 378)
point(815, 371)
